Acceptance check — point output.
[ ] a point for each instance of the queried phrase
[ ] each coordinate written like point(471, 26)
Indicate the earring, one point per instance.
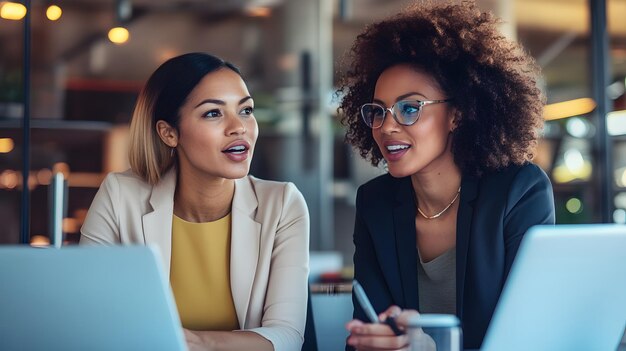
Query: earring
point(172, 150)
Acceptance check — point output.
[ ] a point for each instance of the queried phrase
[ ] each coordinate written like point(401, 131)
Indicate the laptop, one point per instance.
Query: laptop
point(86, 298)
point(566, 291)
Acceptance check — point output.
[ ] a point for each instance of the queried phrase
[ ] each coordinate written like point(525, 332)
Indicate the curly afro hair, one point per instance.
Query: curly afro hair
point(492, 80)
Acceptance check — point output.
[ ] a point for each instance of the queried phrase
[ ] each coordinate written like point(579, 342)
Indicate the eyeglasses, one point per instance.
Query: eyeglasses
point(405, 112)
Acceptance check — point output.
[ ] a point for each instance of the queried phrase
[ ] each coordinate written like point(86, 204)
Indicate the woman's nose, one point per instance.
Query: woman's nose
point(389, 123)
point(235, 125)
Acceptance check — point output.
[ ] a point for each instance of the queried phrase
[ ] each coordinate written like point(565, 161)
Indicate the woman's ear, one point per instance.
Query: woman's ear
point(453, 117)
point(167, 133)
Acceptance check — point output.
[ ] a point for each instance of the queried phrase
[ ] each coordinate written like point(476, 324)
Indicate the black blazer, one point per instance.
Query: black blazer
point(494, 213)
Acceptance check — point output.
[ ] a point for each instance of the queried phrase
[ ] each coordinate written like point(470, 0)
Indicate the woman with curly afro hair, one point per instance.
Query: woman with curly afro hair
point(453, 110)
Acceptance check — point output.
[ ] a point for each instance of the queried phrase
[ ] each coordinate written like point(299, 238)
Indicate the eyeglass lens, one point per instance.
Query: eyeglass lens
point(404, 112)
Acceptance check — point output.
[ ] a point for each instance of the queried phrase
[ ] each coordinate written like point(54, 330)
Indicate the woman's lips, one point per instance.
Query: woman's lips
point(237, 157)
point(395, 151)
point(237, 151)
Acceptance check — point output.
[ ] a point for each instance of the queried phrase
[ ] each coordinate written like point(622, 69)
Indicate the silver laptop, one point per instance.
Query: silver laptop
point(566, 291)
point(86, 298)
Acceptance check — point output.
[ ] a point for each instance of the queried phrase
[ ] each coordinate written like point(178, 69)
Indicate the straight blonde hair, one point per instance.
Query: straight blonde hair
point(149, 157)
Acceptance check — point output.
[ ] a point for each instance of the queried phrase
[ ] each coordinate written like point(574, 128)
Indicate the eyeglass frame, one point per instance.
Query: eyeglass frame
point(421, 104)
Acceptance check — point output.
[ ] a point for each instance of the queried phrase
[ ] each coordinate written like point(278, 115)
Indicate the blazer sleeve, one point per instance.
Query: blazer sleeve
point(366, 268)
point(101, 226)
point(530, 202)
point(284, 314)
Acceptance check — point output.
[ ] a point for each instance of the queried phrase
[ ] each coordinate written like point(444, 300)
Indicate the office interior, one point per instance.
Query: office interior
point(90, 58)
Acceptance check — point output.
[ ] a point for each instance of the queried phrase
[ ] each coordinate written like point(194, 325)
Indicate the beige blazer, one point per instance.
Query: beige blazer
point(269, 244)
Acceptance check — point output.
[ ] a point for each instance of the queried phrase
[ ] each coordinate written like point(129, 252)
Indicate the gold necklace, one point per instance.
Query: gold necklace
point(436, 215)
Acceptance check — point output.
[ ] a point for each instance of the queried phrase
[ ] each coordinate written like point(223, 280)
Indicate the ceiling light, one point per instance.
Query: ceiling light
point(569, 108)
point(54, 12)
point(12, 10)
point(6, 145)
point(118, 35)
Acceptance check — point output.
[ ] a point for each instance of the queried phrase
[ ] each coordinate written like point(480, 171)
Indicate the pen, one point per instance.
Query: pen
point(369, 309)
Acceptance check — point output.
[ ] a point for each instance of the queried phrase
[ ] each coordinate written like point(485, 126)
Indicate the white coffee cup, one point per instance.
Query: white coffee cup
point(430, 332)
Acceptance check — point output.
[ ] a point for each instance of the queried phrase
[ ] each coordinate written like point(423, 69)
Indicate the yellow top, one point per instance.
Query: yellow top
point(199, 274)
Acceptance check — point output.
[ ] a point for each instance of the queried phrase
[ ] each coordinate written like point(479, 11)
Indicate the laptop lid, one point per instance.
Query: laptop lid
point(566, 291)
point(86, 298)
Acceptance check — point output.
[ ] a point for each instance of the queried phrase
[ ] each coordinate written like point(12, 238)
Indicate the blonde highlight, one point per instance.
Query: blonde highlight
point(149, 157)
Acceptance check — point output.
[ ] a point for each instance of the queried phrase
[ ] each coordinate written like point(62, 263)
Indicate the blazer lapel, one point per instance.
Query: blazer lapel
point(469, 191)
point(157, 224)
point(406, 245)
point(244, 246)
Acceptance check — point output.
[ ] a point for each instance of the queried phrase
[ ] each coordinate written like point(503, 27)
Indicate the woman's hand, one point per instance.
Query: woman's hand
point(195, 341)
point(226, 341)
point(379, 336)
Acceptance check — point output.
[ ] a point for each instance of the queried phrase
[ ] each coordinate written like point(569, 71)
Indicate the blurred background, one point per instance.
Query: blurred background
point(90, 58)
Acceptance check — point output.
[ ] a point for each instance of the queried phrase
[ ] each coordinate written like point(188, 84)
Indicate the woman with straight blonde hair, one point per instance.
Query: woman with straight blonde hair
point(235, 247)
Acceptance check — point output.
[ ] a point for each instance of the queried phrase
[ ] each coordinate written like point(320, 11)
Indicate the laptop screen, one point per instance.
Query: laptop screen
point(86, 298)
point(566, 291)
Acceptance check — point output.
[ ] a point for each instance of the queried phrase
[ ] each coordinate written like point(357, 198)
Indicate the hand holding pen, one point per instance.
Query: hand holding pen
point(369, 309)
point(380, 333)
